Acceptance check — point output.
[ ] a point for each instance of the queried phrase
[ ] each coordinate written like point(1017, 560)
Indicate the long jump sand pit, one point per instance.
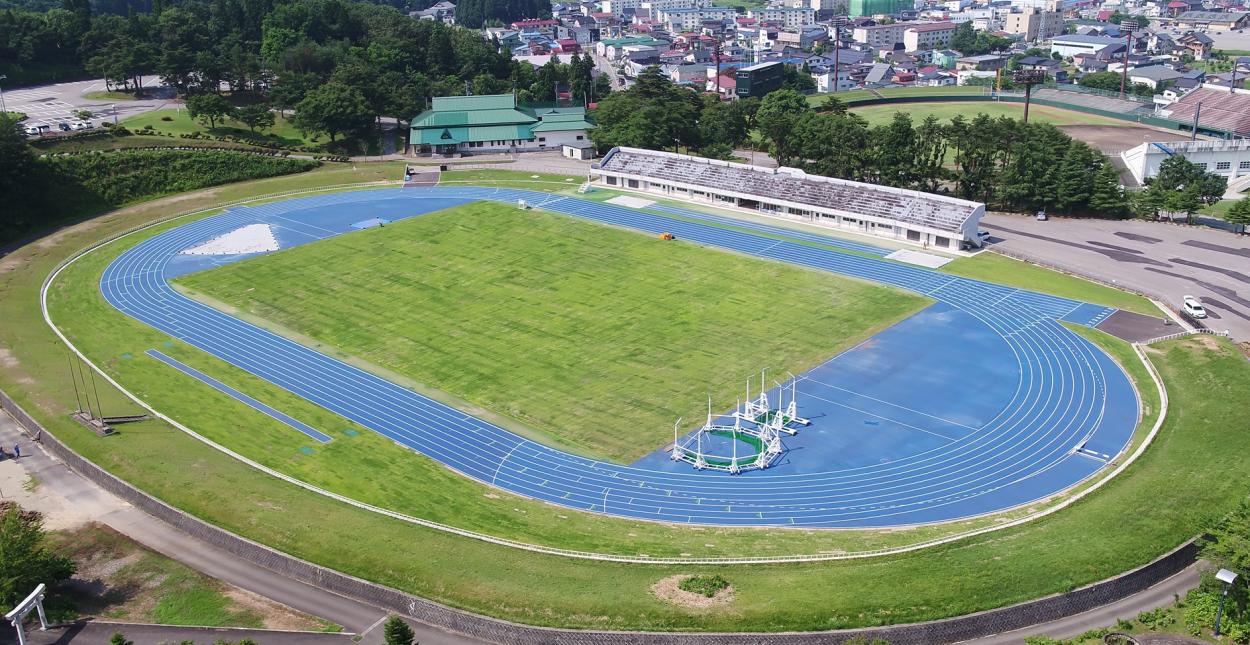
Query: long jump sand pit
point(1118, 138)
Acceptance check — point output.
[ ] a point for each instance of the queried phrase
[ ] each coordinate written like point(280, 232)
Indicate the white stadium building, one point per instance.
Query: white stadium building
point(922, 219)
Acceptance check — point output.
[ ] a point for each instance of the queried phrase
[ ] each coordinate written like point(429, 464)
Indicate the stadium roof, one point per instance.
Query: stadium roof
point(795, 186)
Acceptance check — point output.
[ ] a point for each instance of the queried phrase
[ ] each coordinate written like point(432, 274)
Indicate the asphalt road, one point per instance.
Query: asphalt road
point(50, 104)
point(1167, 260)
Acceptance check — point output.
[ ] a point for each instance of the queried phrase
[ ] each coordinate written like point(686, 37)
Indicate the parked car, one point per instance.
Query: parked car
point(83, 125)
point(63, 126)
point(37, 129)
point(1194, 308)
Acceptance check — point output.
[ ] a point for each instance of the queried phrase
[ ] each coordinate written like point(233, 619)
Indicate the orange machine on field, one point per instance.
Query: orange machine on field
point(667, 237)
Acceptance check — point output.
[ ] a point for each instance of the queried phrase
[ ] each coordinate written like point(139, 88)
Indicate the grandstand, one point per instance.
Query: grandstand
point(918, 218)
point(1222, 112)
point(1078, 96)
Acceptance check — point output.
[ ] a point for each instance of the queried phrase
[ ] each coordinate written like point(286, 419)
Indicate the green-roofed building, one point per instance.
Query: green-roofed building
point(495, 123)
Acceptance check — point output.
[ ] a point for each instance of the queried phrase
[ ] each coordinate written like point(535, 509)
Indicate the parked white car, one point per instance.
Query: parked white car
point(1194, 308)
point(83, 125)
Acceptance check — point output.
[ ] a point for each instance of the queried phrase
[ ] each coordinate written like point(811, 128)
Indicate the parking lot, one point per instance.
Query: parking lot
point(1167, 261)
point(53, 104)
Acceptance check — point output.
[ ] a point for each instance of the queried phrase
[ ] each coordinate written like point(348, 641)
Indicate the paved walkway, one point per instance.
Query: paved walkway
point(1160, 595)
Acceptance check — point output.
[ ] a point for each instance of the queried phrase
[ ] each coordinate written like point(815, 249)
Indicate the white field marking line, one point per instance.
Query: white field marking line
point(521, 545)
point(770, 246)
point(883, 418)
point(295, 221)
point(901, 407)
point(504, 461)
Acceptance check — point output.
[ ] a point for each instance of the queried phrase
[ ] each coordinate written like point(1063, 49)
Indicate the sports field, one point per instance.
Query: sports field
point(596, 337)
point(883, 113)
point(1160, 501)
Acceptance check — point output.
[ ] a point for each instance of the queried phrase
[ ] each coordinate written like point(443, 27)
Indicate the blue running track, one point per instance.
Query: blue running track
point(1064, 408)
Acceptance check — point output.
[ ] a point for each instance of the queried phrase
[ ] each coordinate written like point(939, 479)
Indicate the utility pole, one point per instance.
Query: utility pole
point(4, 108)
point(838, 21)
point(1193, 135)
point(1127, 26)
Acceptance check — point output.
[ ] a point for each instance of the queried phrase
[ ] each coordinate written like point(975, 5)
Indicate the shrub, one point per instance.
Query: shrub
point(121, 176)
point(704, 585)
point(1156, 619)
point(167, 118)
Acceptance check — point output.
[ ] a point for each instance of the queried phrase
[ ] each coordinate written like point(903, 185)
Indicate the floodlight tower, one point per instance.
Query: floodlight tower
point(838, 23)
point(1128, 26)
point(1028, 78)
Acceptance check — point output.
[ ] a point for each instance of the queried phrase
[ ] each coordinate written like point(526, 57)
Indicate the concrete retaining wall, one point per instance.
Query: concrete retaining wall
point(488, 629)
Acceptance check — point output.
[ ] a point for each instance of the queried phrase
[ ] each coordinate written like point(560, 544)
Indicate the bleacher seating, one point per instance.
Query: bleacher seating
point(1221, 110)
point(852, 198)
point(1129, 105)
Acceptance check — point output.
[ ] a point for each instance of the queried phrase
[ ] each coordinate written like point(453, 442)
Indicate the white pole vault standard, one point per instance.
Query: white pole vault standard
point(33, 601)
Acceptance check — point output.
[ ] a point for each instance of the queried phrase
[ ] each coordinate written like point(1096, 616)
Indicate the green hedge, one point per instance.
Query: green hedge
point(117, 177)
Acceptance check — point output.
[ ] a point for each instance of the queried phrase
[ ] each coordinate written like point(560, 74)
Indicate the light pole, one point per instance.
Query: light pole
point(838, 22)
point(4, 108)
point(1127, 26)
point(1228, 578)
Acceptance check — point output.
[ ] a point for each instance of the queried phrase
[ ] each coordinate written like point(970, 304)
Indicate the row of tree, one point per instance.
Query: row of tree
point(1003, 162)
point(281, 50)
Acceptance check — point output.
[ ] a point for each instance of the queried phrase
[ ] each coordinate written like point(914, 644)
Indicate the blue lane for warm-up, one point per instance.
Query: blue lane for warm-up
point(1011, 416)
point(239, 396)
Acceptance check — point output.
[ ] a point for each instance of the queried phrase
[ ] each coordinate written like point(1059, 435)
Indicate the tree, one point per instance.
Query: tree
point(929, 168)
point(777, 115)
point(1181, 186)
point(23, 184)
point(209, 108)
point(1106, 197)
point(653, 113)
point(26, 557)
point(256, 115)
point(964, 39)
point(895, 153)
point(1073, 187)
point(334, 109)
point(83, 115)
point(1239, 214)
point(397, 632)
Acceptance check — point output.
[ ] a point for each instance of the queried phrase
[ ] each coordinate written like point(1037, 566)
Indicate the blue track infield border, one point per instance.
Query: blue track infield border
point(1068, 393)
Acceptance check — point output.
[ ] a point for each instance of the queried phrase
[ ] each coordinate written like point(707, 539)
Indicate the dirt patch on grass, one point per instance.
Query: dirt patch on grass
point(1117, 138)
point(275, 616)
point(667, 589)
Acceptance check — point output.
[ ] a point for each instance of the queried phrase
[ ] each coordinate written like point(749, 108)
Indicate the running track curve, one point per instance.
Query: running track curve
point(1058, 404)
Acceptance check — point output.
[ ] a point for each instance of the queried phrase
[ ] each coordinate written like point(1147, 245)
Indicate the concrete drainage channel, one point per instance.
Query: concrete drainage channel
point(487, 629)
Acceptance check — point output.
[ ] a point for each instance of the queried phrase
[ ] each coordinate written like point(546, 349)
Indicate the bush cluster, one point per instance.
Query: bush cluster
point(125, 175)
point(707, 586)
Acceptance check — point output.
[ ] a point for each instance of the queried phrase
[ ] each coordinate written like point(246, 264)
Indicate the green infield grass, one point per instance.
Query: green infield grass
point(993, 267)
point(1196, 469)
point(409, 483)
point(883, 113)
point(596, 337)
point(857, 96)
